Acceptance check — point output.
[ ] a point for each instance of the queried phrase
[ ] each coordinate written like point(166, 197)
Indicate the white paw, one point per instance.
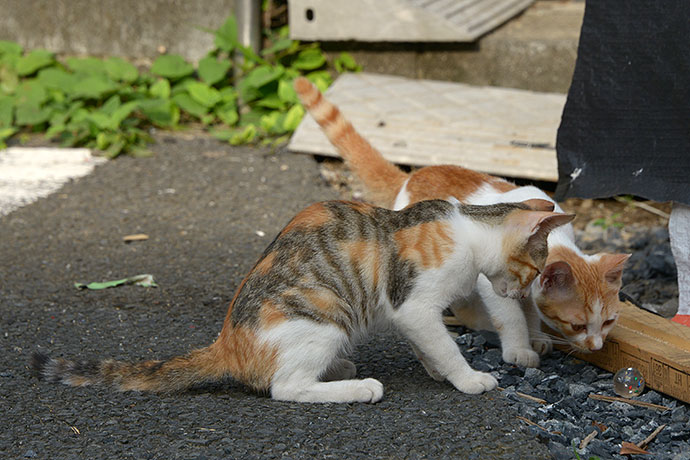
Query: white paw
point(542, 346)
point(476, 382)
point(368, 390)
point(521, 356)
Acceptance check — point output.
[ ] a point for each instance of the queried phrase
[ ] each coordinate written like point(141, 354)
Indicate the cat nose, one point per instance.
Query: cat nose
point(595, 344)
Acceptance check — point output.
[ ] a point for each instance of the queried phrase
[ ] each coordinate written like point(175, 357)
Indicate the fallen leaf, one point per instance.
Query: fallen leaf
point(135, 237)
point(144, 280)
point(628, 448)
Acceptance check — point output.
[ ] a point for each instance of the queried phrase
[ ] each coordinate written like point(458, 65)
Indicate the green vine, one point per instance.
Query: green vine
point(110, 105)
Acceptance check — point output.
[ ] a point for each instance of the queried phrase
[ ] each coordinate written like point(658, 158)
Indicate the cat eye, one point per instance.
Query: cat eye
point(609, 322)
point(578, 327)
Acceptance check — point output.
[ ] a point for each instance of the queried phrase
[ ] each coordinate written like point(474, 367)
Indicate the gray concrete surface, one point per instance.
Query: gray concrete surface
point(205, 206)
point(128, 28)
point(535, 50)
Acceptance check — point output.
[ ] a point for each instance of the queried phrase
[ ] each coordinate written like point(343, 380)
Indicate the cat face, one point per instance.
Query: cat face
point(578, 297)
point(525, 248)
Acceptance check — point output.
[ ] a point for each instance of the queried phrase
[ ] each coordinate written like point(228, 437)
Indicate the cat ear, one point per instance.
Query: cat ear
point(541, 224)
point(557, 276)
point(537, 204)
point(612, 266)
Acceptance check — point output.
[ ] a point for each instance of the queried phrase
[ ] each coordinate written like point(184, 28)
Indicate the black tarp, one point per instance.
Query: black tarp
point(626, 123)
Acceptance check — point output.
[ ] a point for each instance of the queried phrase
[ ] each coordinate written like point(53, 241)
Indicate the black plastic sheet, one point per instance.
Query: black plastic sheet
point(626, 124)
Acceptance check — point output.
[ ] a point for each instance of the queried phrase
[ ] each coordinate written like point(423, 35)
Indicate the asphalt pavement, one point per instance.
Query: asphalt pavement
point(209, 210)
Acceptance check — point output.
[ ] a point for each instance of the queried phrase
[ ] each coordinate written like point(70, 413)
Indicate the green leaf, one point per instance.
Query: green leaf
point(321, 78)
point(346, 62)
point(204, 94)
point(286, 92)
point(171, 66)
point(293, 118)
point(35, 60)
point(120, 70)
point(100, 119)
point(181, 86)
point(160, 89)
point(228, 113)
point(6, 109)
point(262, 75)
point(122, 112)
point(278, 45)
point(7, 47)
point(244, 136)
point(309, 59)
point(111, 104)
point(56, 78)
point(31, 114)
point(161, 112)
point(30, 92)
point(93, 86)
point(226, 35)
point(88, 66)
point(145, 280)
point(228, 94)
point(189, 105)
point(272, 101)
point(211, 70)
point(9, 80)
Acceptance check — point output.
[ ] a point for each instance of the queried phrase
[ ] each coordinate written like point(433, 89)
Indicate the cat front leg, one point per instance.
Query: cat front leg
point(508, 319)
point(541, 343)
point(423, 326)
point(433, 373)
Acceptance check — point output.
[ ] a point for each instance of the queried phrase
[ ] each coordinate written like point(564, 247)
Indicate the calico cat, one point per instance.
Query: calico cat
point(333, 273)
point(576, 294)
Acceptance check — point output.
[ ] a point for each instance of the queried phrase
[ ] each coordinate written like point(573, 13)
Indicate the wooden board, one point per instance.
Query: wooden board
point(507, 132)
point(656, 346)
point(399, 20)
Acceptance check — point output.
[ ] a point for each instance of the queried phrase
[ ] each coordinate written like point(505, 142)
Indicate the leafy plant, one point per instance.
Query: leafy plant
point(110, 105)
point(607, 222)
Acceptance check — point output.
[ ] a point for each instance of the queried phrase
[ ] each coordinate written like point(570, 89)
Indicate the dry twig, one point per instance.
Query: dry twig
point(588, 438)
point(632, 402)
point(642, 444)
point(526, 396)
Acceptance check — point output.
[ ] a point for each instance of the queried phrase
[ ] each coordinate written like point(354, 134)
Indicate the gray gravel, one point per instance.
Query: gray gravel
point(204, 206)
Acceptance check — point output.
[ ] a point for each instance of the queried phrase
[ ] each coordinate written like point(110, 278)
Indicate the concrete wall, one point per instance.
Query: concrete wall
point(129, 28)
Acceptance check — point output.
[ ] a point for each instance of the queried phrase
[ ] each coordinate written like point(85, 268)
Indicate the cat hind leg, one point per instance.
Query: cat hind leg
point(307, 352)
point(340, 369)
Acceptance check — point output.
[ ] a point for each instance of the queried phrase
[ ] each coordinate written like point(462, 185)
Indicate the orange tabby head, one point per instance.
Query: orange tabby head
point(578, 296)
point(525, 248)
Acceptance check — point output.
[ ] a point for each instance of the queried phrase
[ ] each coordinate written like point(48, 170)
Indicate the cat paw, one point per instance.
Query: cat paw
point(368, 390)
point(476, 382)
point(542, 346)
point(522, 357)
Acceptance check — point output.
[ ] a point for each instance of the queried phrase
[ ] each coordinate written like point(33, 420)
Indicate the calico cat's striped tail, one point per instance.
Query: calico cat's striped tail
point(175, 374)
point(383, 179)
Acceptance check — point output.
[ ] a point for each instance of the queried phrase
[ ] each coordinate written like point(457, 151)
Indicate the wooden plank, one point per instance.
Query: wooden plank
point(656, 346)
point(399, 20)
point(500, 131)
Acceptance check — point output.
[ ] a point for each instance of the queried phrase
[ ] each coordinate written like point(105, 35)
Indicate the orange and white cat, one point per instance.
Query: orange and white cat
point(576, 294)
point(332, 274)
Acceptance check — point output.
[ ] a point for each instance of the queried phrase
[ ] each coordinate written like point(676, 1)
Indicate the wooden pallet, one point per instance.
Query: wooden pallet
point(501, 131)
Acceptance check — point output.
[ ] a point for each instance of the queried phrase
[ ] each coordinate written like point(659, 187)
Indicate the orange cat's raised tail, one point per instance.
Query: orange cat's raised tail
point(382, 178)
